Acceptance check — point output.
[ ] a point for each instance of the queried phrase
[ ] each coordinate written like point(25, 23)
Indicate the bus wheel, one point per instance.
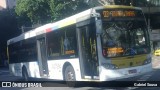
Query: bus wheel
point(25, 75)
point(70, 76)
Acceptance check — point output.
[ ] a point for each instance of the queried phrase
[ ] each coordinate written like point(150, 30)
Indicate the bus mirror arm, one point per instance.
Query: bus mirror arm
point(95, 15)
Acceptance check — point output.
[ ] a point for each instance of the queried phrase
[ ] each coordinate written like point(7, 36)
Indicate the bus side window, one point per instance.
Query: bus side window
point(62, 43)
point(53, 44)
point(69, 42)
point(66, 44)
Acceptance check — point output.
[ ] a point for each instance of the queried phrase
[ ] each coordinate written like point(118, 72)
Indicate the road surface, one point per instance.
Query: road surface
point(152, 76)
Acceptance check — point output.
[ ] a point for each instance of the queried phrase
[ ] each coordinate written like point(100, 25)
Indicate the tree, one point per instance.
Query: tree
point(34, 9)
point(94, 3)
point(55, 8)
point(73, 6)
point(43, 11)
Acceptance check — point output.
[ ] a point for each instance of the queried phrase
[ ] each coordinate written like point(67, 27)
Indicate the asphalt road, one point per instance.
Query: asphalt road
point(152, 76)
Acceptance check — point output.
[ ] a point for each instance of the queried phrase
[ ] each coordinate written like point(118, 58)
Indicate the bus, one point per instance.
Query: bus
point(99, 44)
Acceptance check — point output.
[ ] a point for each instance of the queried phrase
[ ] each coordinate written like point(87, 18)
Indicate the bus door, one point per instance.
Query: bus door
point(88, 51)
point(42, 57)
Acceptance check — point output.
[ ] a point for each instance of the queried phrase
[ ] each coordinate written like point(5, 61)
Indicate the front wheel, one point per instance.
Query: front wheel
point(70, 76)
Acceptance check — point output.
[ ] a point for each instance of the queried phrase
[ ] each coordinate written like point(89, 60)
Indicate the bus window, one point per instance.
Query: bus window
point(53, 44)
point(118, 37)
point(62, 44)
point(140, 38)
point(69, 41)
point(66, 44)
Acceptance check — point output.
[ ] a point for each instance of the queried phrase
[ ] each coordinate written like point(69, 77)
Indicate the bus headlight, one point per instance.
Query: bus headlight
point(147, 61)
point(109, 66)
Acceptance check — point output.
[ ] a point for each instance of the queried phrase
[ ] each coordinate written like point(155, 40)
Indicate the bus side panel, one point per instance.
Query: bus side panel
point(15, 69)
point(32, 69)
point(11, 69)
point(56, 68)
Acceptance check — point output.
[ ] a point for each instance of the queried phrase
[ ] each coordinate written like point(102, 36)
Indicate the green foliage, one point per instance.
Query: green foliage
point(43, 11)
point(73, 6)
point(34, 9)
point(55, 8)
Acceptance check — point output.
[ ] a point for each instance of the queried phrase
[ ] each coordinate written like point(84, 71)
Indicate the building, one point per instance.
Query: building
point(7, 4)
point(155, 37)
point(11, 3)
point(3, 4)
point(1, 8)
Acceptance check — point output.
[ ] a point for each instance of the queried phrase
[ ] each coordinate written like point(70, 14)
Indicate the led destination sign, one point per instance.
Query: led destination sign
point(118, 13)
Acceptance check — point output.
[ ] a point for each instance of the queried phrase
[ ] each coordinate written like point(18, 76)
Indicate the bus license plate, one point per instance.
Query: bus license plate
point(132, 71)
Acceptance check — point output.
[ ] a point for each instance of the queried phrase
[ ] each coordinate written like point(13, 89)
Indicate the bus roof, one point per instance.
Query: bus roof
point(62, 23)
point(117, 6)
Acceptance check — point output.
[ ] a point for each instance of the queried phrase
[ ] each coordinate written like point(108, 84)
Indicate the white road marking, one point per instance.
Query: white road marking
point(131, 88)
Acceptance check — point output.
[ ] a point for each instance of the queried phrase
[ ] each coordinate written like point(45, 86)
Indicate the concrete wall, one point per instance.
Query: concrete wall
point(11, 3)
point(155, 36)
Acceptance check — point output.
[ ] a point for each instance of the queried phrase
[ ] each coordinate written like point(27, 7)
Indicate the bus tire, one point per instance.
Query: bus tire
point(69, 75)
point(25, 74)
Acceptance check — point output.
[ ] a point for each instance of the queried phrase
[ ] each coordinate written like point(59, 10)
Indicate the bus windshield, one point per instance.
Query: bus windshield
point(124, 37)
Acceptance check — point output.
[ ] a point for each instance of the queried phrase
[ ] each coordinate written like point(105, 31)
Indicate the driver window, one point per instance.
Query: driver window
point(139, 37)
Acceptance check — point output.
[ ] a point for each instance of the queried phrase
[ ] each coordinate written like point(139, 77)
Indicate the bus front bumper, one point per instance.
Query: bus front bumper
point(108, 75)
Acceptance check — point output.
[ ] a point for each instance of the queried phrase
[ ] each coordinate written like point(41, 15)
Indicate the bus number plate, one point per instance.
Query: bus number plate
point(132, 71)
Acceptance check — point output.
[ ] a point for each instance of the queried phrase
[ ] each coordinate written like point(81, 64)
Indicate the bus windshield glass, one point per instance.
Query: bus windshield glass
point(124, 37)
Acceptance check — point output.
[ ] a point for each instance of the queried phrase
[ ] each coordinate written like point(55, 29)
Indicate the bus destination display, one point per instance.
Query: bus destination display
point(118, 13)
